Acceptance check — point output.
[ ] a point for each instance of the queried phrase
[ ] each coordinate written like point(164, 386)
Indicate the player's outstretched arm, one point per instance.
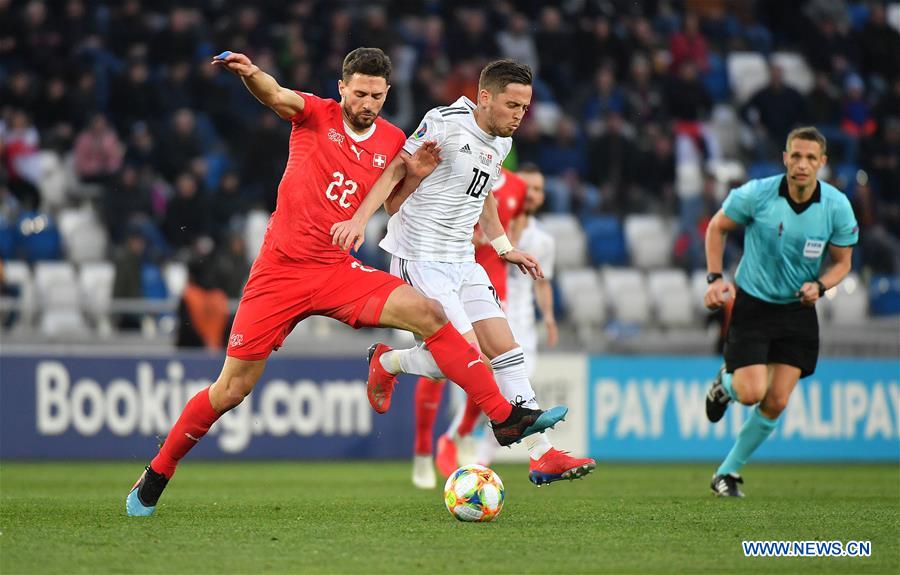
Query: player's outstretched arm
point(418, 167)
point(286, 103)
point(490, 224)
point(719, 290)
point(352, 233)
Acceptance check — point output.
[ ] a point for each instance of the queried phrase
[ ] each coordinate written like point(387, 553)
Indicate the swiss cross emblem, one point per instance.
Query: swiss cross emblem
point(379, 160)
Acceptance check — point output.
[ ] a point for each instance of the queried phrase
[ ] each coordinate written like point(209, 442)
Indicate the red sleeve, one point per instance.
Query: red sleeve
point(311, 106)
point(521, 192)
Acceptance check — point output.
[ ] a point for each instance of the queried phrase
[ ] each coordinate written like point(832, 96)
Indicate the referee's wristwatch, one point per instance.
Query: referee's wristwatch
point(821, 288)
point(711, 277)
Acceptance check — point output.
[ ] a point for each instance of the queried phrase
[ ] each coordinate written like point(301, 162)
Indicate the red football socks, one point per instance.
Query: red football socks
point(461, 362)
point(192, 425)
point(469, 418)
point(428, 401)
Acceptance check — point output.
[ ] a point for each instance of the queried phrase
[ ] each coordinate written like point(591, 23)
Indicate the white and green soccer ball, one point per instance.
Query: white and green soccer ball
point(474, 493)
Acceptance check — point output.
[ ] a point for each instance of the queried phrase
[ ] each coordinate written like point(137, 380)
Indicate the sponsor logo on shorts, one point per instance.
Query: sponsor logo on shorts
point(236, 340)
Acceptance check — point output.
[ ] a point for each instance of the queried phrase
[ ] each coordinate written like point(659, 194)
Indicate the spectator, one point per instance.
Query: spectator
point(605, 97)
point(689, 45)
point(186, 214)
point(857, 120)
point(231, 266)
point(202, 310)
point(644, 97)
point(98, 152)
point(773, 111)
point(600, 47)
point(19, 156)
point(879, 47)
point(555, 56)
point(182, 144)
point(565, 151)
point(227, 206)
point(129, 262)
point(128, 196)
point(135, 97)
point(517, 43)
point(613, 163)
point(472, 40)
point(264, 159)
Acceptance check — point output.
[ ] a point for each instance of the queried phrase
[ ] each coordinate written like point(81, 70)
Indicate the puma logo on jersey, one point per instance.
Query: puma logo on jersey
point(356, 151)
point(474, 361)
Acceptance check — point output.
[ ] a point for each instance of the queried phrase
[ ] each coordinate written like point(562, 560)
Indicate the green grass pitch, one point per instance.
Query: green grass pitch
point(302, 517)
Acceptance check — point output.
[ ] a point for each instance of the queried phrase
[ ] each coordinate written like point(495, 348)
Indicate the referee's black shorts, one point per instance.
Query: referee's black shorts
point(762, 333)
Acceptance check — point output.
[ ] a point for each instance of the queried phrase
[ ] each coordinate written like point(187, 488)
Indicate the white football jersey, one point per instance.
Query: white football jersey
point(436, 222)
point(520, 287)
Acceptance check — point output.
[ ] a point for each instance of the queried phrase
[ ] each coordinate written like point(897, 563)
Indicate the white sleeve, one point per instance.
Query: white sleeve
point(433, 127)
point(547, 255)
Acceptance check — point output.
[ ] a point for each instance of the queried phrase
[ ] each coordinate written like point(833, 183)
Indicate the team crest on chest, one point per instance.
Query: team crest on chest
point(336, 137)
point(379, 160)
point(485, 158)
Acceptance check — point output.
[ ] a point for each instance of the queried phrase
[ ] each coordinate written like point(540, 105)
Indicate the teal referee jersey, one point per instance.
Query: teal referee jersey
point(785, 242)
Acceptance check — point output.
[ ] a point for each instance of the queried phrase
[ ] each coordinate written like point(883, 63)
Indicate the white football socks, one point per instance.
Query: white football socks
point(415, 360)
point(512, 377)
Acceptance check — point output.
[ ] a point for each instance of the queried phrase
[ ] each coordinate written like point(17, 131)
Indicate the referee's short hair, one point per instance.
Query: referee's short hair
point(806, 133)
point(500, 73)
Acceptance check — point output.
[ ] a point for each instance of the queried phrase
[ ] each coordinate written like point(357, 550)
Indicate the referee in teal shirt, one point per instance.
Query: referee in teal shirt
point(790, 222)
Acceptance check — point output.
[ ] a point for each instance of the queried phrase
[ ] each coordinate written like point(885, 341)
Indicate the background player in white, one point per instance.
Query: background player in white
point(430, 238)
point(522, 293)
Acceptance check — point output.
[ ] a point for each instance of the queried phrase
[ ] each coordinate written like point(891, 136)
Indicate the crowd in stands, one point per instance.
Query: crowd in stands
point(112, 111)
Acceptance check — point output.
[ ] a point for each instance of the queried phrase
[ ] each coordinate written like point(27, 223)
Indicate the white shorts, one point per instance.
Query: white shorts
point(462, 288)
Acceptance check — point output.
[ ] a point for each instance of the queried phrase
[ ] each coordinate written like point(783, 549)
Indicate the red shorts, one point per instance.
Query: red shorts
point(280, 293)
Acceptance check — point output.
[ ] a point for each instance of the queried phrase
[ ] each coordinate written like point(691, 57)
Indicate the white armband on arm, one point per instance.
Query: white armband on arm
point(502, 245)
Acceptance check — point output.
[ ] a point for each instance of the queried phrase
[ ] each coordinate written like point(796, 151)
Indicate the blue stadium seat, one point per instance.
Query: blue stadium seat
point(764, 170)
point(37, 237)
point(7, 241)
point(153, 284)
point(859, 15)
point(884, 295)
point(716, 79)
point(606, 241)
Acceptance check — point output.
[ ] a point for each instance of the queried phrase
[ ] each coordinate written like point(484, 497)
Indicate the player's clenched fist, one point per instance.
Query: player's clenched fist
point(716, 294)
point(236, 63)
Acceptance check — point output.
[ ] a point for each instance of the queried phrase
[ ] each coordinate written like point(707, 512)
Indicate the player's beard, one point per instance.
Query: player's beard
point(359, 121)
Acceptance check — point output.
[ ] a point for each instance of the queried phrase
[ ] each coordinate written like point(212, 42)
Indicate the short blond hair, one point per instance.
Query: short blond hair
point(809, 133)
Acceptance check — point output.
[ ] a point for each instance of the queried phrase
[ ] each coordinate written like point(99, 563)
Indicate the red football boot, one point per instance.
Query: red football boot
point(381, 383)
point(557, 465)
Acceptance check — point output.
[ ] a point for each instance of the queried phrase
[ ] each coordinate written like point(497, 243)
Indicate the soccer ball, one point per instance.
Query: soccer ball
point(474, 493)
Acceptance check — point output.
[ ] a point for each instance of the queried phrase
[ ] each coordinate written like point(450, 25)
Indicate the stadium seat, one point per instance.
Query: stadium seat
point(627, 293)
point(604, 236)
point(176, 278)
point(671, 297)
point(570, 240)
point(83, 235)
point(748, 72)
point(58, 299)
point(796, 72)
point(848, 303)
point(153, 283)
point(254, 232)
point(96, 282)
point(649, 241)
point(726, 128)
point(716, 78)
point(884, 294)
point(583, 300)
point(18, 273)
point(38, 237)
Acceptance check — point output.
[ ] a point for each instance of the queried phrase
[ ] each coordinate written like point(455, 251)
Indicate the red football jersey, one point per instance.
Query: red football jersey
point(329, 171)
point(509, 190)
